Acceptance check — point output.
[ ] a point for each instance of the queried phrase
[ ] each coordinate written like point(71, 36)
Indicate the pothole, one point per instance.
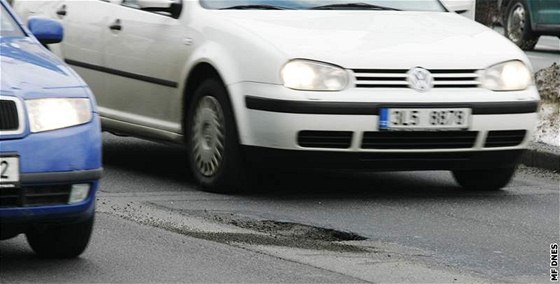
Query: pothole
point(251, 231)
point(296, 230)
point(289, 234)
point(271, 240)
point(257, 239)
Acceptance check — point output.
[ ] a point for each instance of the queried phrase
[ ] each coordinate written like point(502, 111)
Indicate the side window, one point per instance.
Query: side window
point(173, 10)
point(131, 3)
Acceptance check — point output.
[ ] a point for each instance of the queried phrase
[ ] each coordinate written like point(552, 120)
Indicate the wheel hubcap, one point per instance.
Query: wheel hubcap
point(516, 23)
point(208, 136)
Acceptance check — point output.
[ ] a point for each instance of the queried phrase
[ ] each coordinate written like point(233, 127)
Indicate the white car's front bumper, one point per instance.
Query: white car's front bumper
point(276, 118)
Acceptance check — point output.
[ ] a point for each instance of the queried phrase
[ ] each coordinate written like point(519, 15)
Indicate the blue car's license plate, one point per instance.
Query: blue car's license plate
point(9, 171)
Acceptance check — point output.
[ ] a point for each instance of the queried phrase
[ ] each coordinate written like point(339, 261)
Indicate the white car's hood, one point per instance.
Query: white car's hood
point(379, 39)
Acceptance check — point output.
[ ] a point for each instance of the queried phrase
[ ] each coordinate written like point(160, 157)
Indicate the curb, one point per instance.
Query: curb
point(542, 156)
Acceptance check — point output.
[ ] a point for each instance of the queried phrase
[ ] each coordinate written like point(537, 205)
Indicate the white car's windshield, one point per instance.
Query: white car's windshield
point(374, 5)
point(8, 26)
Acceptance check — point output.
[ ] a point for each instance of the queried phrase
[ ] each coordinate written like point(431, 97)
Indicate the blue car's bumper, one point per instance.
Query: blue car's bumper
point(50, 163)
point(51, 213)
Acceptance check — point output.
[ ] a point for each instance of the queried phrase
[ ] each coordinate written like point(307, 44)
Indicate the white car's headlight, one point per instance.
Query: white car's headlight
point(313, 76)
point(507, 76)
point(55, 113)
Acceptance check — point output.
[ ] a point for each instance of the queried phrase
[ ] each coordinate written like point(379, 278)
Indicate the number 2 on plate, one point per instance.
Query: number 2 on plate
point(3, 169)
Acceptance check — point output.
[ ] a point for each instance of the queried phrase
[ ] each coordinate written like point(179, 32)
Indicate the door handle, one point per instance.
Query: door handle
point(62, 11)
point(116, 26)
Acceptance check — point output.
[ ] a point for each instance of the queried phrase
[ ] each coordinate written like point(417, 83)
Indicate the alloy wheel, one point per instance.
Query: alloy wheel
point(208, 137)
point(516, 22)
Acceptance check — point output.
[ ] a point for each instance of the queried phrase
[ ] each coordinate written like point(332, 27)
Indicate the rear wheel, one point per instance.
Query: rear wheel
point(518, 26)
point(60, 241)
point(212, 143)
point(484, 180)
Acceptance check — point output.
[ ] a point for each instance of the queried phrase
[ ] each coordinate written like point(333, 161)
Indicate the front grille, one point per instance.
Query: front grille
point(9, 119)
point(397, 78)
point(419, 140)
point(35, 196)
point(325, 139)
point(505, 138)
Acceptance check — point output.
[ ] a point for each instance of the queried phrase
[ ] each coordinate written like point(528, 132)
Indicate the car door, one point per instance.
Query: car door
point(82, 21)
point(546, 12)
point(147, 51)
point(85, 32)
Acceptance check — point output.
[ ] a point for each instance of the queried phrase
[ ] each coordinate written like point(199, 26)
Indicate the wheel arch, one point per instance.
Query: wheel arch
point(230, 177)
point(200, 72)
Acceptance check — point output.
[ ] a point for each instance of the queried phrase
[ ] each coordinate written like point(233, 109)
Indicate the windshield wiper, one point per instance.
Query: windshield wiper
point(353, 6)
point(254, 7)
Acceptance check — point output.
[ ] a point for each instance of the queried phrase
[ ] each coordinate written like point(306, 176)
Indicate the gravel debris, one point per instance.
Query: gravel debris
point(548, 84)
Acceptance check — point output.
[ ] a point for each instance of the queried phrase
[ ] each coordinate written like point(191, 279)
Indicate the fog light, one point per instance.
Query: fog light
point(79, 193)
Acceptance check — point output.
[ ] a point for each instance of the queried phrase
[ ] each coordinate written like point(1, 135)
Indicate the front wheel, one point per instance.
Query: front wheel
point(518, 26)
point(484, 180)
point(60, 241)
point(212, 141)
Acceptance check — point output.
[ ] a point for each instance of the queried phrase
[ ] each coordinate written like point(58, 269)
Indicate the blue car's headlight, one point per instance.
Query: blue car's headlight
point(55, 113)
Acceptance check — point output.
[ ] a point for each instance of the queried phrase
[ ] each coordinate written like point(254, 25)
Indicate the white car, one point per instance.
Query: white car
point(368, 85)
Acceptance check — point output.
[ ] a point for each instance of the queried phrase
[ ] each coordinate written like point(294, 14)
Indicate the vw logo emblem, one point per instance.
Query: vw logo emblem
point(420, 79)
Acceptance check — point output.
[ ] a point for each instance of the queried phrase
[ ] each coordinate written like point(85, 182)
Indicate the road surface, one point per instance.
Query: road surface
point(154, 225)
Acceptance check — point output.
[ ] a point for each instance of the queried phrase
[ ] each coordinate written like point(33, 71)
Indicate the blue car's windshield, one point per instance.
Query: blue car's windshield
point(8, 26)
point(399, 5)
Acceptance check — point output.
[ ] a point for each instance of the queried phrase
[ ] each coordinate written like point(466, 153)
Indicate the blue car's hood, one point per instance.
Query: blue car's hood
point(29, 68)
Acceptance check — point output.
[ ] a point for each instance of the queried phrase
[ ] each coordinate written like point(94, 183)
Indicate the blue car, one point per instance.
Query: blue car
point(50, 142)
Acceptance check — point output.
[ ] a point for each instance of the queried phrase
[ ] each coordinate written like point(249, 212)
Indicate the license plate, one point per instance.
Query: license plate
point(424, 119)
point(9, 171)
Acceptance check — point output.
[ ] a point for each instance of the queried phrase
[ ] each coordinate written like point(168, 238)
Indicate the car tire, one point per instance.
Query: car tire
point(517, 26)
point(60, 241)
point(484, 180)
point(212, 142)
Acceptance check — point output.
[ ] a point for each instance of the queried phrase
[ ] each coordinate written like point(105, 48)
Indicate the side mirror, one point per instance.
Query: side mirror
point(171, 7)
point(47, 31)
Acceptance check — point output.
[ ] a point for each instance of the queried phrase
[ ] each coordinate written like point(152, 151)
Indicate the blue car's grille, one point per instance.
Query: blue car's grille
point(35, 196)
point(9, 119)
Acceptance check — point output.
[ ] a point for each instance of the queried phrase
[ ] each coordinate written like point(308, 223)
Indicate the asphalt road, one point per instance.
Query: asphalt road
point(154, 226)
point(546, 52)
point(123, 251)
